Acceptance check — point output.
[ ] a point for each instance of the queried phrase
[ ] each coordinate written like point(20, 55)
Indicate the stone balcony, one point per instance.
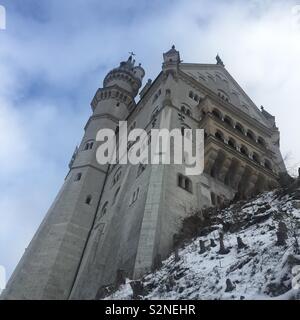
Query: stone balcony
point(230, 167)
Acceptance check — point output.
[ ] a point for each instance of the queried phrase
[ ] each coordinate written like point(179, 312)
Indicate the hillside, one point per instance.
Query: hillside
point(261, 264)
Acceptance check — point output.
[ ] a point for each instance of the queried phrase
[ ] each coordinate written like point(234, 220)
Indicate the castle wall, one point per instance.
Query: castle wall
point(123, 218)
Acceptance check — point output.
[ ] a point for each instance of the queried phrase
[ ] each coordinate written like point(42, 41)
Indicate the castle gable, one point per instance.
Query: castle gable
point(218, 79)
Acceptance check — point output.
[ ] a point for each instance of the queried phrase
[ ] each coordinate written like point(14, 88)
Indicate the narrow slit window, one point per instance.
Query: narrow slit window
point(88, 200)
point(78, 176)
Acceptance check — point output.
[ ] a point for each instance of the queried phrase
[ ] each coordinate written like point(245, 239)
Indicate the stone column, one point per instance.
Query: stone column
point(238, 175)
point(224, 169)
point(249, 190)
point(215, 170)
point(210, 160)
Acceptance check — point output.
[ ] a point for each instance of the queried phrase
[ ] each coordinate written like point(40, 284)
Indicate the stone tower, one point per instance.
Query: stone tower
point(117, 219)
point(49, 265)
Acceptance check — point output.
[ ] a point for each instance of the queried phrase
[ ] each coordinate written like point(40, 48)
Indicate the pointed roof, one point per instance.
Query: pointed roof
point(172, 55)
point(172, 50)
point(216, 78)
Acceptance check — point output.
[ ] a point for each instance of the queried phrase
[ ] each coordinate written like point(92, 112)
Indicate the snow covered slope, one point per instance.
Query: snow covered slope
point(261, 268)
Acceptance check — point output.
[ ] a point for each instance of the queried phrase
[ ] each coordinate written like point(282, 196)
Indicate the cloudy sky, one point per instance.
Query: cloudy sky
point(54, 55)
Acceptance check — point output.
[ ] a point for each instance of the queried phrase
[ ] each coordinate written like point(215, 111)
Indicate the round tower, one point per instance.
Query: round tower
point(65, 231)
point(112, 104)
point(120, 87)
point(126, 76)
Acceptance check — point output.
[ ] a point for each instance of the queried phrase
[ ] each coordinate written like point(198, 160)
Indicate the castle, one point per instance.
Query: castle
point(108, 219)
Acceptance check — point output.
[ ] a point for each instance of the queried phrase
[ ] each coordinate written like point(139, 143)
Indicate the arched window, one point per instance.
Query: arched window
point(256, 157)
point(188, 185)
point(216, 113)
point(78, 176)
point(88, 145)
point(232, 143)
point(239, 128)
point(116, 195)
point(180, 181)
point(88, 199)
point(223, 95)
point(250, 135)
point(186, 110)
point(219, 135)
point(261, 141)
point(117, 176)
point(268, 165)
point(104, 209)
point(213, 198)
point(135, 196)
point(228, 121)
point(244, 151)
point(185, 183)
point(191, 95)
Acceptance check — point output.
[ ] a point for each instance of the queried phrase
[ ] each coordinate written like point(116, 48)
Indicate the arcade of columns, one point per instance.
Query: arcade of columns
point(236, 154)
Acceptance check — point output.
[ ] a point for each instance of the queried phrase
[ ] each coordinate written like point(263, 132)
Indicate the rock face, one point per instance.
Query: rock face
point(202, 246)
point(222, 250)
point(255, 266)
point(229, 286)
point(240, 243)
point(282, 234)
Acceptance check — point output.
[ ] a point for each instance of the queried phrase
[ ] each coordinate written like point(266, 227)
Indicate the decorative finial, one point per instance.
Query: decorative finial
point(219, 61)
point(262, 108)
point(132, 54)
point(173, 47)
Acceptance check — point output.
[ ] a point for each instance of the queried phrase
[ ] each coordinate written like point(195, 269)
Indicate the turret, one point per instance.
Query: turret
point(126, 76)
point(171, 57)
point(171, 61)
point(139, 72)
point(120, 87)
